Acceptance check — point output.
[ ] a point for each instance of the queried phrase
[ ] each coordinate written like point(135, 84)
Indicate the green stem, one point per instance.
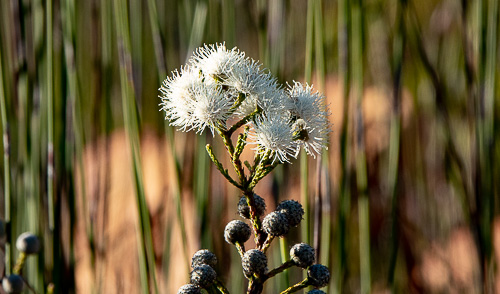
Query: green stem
point(220, 286)
point(296, 287)
point(219, 166)
point(281, 268)
point(50, 115)
point(6, 163)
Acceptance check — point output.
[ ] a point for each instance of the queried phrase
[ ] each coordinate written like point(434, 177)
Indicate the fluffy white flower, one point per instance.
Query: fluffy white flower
point(309, 113)
point(215, 61)
point(273, 133)
point(211, 107)
point(177, 97)
point(190, 103)
point(265, 94)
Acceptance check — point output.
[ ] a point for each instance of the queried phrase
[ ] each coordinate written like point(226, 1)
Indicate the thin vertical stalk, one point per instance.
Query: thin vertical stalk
point(361, 174)
point(6, 166)
point(344, 28)
point(50, 113)
point(146, 250)
point(284, 258)
point(304, 167)
point(395, 136)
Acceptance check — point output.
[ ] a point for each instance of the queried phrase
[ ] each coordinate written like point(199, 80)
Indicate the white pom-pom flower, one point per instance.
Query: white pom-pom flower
point(310, 117)
point(273, 132)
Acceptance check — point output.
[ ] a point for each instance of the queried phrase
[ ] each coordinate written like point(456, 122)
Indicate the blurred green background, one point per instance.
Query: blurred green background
point(405, 199)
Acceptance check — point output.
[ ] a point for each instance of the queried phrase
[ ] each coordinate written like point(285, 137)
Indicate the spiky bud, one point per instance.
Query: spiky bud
point(318, 275)
point(189, 289)
point(316, 291)
point(276, 224)
point(237, 231)
point(203, 276)
point(13, 284)
point(244, 209)
point(292, 210)
point(254, 262)
point(302, 255)
point(28, 243)
point(203, 256)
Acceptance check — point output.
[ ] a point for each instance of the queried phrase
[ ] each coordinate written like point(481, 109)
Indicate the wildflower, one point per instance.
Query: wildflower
point(216, 61)
point(244, 209)
point(302, 255)
point(13, 284)
point(203, 276)
point(275, 224)
point(203, 257)
point(262, 92)
point(189, 289)
point(254, 262)
point(273, 133)
point(237, 231)
point(211, 107)
point(309, 113)
point(316, 291)
point(28, 243)
point(318, 275)
point(177, 97)
point(292, 210)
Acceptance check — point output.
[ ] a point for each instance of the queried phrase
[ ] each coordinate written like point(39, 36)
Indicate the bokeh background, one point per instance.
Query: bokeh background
point(405, 200)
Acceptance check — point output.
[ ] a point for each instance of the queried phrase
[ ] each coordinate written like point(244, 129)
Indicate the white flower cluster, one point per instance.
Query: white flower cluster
point(220, 85)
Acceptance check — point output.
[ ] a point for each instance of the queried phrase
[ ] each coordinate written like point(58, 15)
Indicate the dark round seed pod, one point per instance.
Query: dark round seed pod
point(203, 256)
point(13, 284)
point(28, 243)
point(316, 291)
point(302, 255)
point(254, 262)
point(203, 276)
point(237, 231)
point(292, 210)
point(318, 275)
point(244, 209)
point(189, 289)
point(276, 224)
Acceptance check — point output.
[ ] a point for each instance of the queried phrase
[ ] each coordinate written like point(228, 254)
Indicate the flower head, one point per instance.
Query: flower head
point(273, 133)
point(318, 275)
point(302, 255)
point(244, 209)
point(189, 289)
point(275, 224)
point(28, 243)
point(237, 231)
point(203, 276)
point(254, 262)
point(191, 103)
point(309, 115)
point(203, 257)
point(13, 284)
